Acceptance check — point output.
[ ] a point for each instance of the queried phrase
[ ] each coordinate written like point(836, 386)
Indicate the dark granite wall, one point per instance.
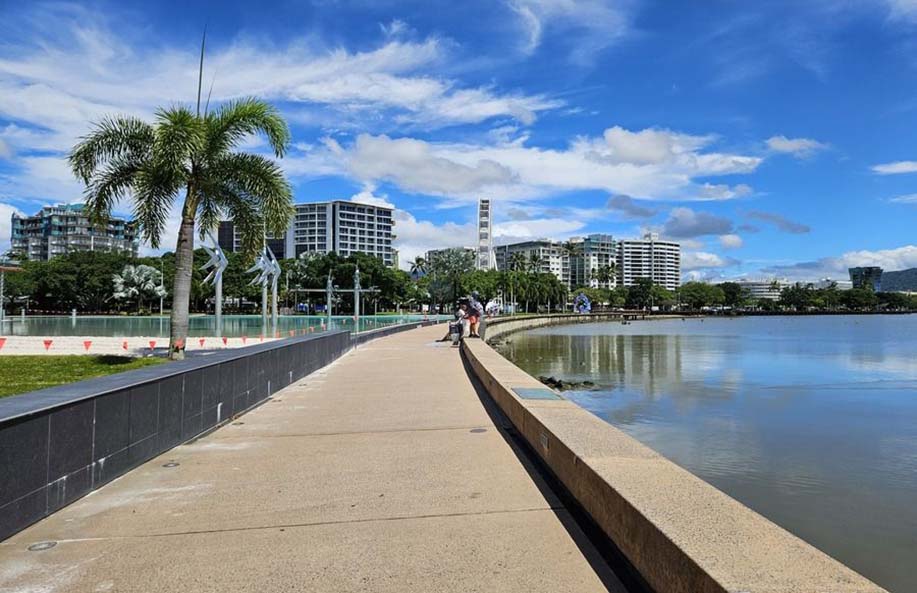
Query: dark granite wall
point(58, 444)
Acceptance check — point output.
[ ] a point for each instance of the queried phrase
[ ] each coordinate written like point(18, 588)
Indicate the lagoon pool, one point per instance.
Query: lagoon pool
point(201, 325)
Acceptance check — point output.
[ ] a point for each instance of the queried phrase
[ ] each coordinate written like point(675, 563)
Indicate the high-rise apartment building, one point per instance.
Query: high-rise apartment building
point(485, 251)
point(595, 262)
point(548, 255)
point(66, 228)
point(339, 226)
point(649, 257)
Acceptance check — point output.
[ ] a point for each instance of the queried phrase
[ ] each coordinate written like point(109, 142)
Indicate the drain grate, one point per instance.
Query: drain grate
point(41, 546)
point(171, 464)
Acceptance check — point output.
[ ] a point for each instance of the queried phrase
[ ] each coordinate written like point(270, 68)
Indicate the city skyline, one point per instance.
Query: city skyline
point(768, 141)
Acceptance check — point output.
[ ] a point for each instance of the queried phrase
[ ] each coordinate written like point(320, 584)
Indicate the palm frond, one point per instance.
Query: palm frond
point(112, 138)
point(238, 119)
point(109, 185)
point(179, 136)
point(155, 189)
point(262, 180)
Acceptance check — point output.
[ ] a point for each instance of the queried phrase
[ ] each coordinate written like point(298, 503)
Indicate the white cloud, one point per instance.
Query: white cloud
point(731, 241)
point(367, 196)
point(6, 212)
point(900, 258)
point(55, 81)
point(798, 147)
point(721, 191)
point(414, 166)
point(593, 24)
point(905, 199)
point(902, 9)
point(552, 228)
point(649, 164)
point(698, 260)
point(895, 168)
point(5, 150)
point(416, 237)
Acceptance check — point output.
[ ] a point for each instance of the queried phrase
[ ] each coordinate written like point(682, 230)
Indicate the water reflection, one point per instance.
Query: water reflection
point(811, 421)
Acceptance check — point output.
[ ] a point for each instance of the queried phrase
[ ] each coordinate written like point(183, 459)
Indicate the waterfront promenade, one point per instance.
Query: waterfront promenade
point(382, 472)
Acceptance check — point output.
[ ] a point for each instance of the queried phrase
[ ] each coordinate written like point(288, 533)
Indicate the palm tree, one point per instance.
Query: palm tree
point(534, 263)
point(571, 249)
point(136, 282)
point(418, 267)
point(517, 261)
point(182, 150)
point(606, 273)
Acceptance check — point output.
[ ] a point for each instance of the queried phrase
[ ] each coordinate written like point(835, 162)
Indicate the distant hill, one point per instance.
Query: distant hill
point(901, 280)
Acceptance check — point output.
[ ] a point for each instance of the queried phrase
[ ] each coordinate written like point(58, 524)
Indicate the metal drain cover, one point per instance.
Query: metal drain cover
point(42, 546)
point(171, 464)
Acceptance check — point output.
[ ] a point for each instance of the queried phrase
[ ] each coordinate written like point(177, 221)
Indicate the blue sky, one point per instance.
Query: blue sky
point(770, 138)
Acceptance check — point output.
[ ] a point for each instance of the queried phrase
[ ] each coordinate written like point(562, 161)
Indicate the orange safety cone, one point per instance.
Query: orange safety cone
point(124, 345)
point(225, 340)
point(87, 344)
point(48, 344)
point(2, 343)
point(153, 345)
point(201, 342)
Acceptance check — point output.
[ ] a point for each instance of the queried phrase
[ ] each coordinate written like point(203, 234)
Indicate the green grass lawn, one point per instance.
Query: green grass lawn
point(19, 374)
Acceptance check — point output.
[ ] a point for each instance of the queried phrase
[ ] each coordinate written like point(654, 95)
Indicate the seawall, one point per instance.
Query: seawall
point(680, 533)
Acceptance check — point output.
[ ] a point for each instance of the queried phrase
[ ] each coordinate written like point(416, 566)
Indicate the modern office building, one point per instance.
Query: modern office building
point(649, 257)
point(548, 254)
point(869, 276)
point(338, 226)
point(485, 252)
point(595, 263)
point(66, 228)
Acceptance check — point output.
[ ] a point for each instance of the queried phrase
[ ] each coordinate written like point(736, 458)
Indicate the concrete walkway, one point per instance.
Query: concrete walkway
point(382, 472)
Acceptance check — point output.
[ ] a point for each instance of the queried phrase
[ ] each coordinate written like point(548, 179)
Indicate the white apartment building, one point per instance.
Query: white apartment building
point(338, 226)
point(596, 256)
point(649, 257)
point(549, 255)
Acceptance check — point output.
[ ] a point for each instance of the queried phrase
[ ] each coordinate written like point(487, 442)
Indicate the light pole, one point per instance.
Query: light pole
point(356, 294)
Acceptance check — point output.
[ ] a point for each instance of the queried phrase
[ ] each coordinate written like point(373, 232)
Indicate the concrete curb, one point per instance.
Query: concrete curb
point(682, 534)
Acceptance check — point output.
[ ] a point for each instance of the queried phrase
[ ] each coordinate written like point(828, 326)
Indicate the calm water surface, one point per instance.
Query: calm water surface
point(200, 325)
point(811, 421)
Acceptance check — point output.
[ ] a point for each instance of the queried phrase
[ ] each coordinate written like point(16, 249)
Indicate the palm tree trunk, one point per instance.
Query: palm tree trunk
point(181, 289)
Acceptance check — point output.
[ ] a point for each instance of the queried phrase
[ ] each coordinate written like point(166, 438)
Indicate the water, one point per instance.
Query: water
point(200, 325)
point(811, 421)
